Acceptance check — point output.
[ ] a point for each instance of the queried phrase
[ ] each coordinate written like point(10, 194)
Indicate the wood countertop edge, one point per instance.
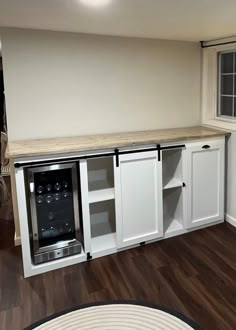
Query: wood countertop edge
point(31, 146)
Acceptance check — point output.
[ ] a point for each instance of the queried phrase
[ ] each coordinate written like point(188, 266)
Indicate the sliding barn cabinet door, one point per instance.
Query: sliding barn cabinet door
point(205, 182)
point(138, 193)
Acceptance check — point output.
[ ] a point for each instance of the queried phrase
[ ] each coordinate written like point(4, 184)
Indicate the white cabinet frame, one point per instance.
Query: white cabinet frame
point(85, 204)
point(29, 268)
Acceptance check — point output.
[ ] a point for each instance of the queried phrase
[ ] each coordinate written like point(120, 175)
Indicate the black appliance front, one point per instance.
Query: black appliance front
point(54, 208)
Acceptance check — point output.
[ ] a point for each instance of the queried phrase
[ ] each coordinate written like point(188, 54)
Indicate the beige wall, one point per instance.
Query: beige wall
point(63, 84)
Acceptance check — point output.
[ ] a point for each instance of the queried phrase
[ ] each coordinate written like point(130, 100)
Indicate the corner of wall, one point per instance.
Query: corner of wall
point(230, 220)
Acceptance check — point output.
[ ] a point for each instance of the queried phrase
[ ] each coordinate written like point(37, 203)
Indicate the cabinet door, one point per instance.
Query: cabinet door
point(138, 193)
point(205, 182)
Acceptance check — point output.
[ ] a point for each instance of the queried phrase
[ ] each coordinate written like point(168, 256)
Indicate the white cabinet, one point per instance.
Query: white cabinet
point(141, 198)
point(138, 194)
point(129, 197)
point(205, 182)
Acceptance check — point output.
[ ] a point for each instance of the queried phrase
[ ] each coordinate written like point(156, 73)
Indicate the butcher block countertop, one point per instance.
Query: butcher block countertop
point(43, 147)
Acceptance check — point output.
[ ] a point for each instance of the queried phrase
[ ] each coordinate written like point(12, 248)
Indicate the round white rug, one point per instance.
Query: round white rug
point(116, 317)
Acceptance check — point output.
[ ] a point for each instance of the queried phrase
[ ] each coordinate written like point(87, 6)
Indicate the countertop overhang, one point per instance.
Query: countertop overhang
point(53, 146)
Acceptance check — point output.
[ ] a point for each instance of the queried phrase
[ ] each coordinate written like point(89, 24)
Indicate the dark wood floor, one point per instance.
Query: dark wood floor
point(194, 274)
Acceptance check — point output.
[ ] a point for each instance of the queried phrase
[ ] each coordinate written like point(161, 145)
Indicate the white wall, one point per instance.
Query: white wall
point(63, 84)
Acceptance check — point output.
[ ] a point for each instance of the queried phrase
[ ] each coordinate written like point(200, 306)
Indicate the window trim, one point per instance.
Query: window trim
point(209, 89)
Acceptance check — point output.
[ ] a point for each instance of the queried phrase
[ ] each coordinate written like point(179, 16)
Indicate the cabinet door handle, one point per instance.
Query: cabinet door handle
point(206, 146)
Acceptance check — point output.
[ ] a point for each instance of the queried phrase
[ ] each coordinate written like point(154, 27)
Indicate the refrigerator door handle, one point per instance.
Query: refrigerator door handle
point(31, 187)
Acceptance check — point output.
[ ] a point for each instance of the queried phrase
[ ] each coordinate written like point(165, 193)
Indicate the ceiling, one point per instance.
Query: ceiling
point(190, 20)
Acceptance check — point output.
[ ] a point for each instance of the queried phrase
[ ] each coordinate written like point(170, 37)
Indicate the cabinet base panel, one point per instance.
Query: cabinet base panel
point(103, 245)
point(167, 235)
point(32, 270)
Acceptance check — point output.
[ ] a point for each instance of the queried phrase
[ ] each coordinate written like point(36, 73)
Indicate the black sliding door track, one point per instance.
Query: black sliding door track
point(62, 160)
point(179, 146)
point(116, 153)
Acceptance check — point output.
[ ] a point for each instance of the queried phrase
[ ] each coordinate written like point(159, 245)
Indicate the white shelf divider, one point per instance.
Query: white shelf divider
point(173, 183)
point(101, 195)
point(172, 225)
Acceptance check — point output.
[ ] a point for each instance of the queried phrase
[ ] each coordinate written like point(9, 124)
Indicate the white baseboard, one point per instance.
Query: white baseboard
point(17, 240)
point(231, 220)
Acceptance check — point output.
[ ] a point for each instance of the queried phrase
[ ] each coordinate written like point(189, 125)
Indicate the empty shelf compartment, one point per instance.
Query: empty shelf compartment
point(171, 167)
point(103, 243)
point(103, 226)
point(173, 210)
point(102, 218)
point(100, 173)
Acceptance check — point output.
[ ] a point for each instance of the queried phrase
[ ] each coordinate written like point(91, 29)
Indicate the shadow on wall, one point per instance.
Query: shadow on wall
point(5, 201)
point(3, 124)
point(7, 228)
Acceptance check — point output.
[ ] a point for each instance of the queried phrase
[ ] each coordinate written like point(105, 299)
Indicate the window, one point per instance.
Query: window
point(227, 84)
point(219, 84)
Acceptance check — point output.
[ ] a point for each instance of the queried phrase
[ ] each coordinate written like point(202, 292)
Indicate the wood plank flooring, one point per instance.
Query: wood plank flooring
point(194, 274)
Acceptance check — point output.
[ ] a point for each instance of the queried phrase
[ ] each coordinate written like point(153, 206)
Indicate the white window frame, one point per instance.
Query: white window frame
point(210, 88)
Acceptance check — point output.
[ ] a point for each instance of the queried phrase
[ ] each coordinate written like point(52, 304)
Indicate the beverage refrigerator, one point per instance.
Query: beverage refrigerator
point(54, 211)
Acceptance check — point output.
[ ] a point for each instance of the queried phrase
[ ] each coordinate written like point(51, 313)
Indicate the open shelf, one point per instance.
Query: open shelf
point(100, 174)
point(172, 168)
point(172, 225)
point(104, 242)
point(103, 226)
point(101, 195)
point(173, 210)
point(173, 183)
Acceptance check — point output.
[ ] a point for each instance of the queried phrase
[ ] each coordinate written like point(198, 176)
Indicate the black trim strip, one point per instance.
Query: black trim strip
point(219, 44)
point(136, 151)
point(117, 157)
point(175, 313)
point(159, 152)
point(63, 160)
point(178, 146)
